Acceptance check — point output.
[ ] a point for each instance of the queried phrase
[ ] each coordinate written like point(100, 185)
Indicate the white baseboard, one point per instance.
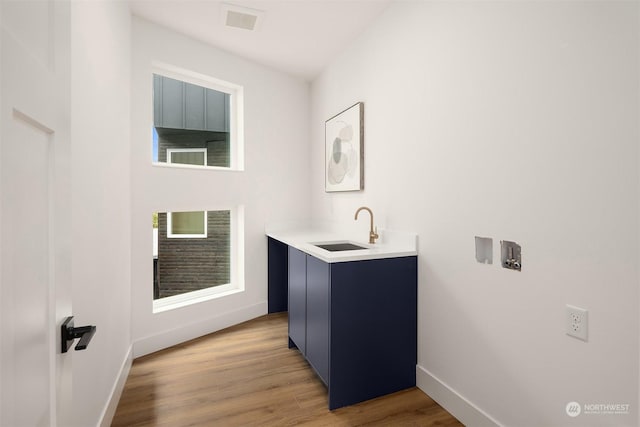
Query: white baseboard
point(466, 412)
point(116, 391)
point(165, 339)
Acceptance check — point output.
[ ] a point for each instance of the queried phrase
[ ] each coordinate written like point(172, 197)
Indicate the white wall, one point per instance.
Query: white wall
point(516, 121)
point(101, 206)
point(273, 186)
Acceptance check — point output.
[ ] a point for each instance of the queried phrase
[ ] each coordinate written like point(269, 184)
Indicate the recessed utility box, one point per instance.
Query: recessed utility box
point(484, 250)
point(511, 255)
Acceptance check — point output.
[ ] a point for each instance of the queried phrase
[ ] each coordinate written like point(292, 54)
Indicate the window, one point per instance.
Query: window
point(187, 156)
point(197, 123)
point(196, 120)
point(196, 256)
point(187, 225)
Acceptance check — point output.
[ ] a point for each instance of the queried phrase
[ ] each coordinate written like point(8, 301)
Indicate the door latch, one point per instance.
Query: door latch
point(69, 333)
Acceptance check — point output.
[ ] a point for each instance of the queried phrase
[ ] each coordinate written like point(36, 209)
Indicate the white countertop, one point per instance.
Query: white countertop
point(391, 244)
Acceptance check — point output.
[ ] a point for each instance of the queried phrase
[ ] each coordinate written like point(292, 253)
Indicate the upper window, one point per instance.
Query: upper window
point(196, 121)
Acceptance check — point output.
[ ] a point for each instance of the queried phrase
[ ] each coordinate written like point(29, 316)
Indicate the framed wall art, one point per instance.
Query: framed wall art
point(344, 150)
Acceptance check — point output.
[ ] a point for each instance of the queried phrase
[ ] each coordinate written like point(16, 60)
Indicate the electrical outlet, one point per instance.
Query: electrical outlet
point(577, 322)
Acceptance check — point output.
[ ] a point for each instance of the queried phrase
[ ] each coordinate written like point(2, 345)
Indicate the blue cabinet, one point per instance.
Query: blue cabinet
point(318, 317)
point(297, 299)
point(278, 271)
point(355, 323)
point(373, 329)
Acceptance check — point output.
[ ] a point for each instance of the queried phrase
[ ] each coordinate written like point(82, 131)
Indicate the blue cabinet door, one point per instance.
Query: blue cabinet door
point(298, 299)
point(373, 336)
point(318, 316)
point(278, 275)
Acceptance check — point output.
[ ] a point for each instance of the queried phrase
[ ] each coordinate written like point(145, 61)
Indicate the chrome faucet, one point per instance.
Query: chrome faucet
point(373, 235)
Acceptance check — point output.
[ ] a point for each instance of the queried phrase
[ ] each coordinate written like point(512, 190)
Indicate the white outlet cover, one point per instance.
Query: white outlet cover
point(577, 322)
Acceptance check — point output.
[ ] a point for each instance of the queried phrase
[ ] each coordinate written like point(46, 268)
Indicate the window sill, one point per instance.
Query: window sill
point(196, 167)
point(195, 297)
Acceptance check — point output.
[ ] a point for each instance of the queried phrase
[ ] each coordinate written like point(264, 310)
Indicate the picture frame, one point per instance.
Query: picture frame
point(344, 150)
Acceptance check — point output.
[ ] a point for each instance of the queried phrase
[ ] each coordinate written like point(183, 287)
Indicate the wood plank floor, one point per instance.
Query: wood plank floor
point(246, 376)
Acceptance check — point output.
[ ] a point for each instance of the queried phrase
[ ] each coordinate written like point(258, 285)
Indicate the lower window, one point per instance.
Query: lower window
point(187, 225)
point(187, 156)
point(194, 256)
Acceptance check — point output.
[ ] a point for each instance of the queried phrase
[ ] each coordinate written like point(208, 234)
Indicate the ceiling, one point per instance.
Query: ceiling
point(298, 37)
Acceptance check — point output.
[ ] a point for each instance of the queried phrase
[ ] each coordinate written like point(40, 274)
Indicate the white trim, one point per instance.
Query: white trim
point(195, 78)
point(193, 297)
point(236, 129)
point(236, 105)
point(197, 167)
point(170, 151)
point(109, 410)
point(170, 337)
point(460, 407)
point(237, 247)
point(172, 235)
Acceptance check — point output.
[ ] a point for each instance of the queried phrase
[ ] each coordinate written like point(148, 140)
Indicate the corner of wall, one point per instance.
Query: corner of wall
point(186, 332)
point(106, 417)
point(461, 408)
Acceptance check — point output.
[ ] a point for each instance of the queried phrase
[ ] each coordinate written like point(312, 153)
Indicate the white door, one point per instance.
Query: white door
point(35, 288)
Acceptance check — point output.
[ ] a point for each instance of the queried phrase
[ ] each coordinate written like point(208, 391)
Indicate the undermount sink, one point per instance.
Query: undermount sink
point(339, 247)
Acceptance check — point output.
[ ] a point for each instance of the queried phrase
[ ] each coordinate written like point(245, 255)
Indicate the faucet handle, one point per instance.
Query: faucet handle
point(373, 235)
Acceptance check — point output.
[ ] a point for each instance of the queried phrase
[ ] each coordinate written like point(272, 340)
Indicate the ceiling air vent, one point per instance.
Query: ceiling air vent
point(241, 17)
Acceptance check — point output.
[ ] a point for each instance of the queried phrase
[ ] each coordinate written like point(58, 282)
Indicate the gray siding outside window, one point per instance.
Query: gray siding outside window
point(181, 105)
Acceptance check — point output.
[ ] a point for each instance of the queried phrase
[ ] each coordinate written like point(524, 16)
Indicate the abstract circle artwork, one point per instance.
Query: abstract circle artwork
point(344, 150)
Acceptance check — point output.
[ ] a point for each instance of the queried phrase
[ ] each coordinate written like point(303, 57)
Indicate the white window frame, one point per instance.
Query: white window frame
point(236, 283)
point(170, 151)
point(236, 111)
point(172, 235)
